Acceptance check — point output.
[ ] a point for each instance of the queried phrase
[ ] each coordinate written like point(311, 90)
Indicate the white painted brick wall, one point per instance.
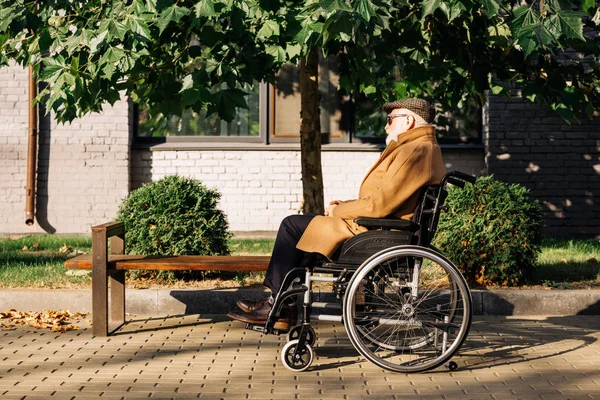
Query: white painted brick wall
point(260, 188)
point(83, 167)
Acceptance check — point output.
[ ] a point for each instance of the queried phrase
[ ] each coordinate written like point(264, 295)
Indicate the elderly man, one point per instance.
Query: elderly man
point(411, 160)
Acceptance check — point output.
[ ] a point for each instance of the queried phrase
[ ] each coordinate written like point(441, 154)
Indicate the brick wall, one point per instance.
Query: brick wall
point(260, 188)
point(83, 167)
point(559, 162)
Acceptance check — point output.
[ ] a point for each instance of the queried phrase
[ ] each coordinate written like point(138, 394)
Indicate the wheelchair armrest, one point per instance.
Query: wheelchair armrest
point(387, 223)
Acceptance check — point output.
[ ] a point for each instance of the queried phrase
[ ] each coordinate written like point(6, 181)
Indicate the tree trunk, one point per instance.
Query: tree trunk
point(310, 134)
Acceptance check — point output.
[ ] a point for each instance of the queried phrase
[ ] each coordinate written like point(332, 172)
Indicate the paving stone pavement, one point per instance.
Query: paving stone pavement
point(211, 357)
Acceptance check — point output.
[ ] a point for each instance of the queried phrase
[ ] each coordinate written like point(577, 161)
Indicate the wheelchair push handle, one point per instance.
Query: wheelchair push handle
point(459, 179)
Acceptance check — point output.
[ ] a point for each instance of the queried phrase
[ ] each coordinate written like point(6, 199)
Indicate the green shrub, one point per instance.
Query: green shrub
point(174, 216)
point(492, 231)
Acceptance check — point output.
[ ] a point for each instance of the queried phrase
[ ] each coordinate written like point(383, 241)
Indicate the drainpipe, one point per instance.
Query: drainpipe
point(31, 150)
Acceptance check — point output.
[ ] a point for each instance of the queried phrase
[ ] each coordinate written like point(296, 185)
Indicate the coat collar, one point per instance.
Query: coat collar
point(414, 134)
point(409, 136)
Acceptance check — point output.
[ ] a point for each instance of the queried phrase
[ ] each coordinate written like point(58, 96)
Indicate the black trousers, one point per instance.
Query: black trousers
point(285, 255)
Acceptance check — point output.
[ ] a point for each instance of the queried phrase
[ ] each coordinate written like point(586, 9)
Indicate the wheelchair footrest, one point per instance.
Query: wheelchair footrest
point(263, 329)
point(256, 328)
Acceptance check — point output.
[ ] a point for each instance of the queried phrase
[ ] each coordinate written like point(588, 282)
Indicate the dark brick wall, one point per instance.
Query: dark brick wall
point(558, 162)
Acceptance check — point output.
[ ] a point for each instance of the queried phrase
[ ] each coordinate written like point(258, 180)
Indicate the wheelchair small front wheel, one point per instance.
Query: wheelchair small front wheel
point(295, 357)
point(311, 337)
point(407, 309)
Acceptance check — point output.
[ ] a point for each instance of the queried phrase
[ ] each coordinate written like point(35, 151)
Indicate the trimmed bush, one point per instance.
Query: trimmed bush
point(174, 216)
point(492, 232)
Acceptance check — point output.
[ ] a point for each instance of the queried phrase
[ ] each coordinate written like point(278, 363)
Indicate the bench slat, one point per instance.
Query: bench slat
point(175, 263)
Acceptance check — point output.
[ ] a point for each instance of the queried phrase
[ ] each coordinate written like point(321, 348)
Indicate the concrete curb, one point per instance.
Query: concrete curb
point(220, 301)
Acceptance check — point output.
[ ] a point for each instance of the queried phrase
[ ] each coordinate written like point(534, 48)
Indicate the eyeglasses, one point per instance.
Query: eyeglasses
point(391, 117)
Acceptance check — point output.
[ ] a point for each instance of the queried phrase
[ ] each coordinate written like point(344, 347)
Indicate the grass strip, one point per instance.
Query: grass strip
point(38, 262)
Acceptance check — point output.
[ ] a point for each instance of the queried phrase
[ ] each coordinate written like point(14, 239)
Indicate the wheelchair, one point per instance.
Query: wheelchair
point(404, 305)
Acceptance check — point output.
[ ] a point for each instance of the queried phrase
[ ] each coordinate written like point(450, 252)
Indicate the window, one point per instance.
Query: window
point(285, 104)
point(246, 124)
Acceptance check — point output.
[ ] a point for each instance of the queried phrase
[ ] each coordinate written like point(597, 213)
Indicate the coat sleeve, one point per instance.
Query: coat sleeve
point(404, 177)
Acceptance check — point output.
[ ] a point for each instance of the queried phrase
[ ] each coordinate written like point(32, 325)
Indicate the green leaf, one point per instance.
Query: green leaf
point(497, 89)
point(307, 31)
point(334, 5)
point(429, 7)
point(588, 6)
point(339, 26)
point(5, 19)
point(452, 12)
point(568, 23)
point(50, 73)
point(525, 17)
point(194, 96)
point(187, 82)
point(138, 26)
point(269, 28)
point(139, 7)
point(97, 41)
point(365, 9)
point(277, 52)
point(226, 101)
point(490, 7)
point(75, 64)
point(112, 55)
point(114, 28)
point(293, 50)
point(127, 63)
point(528, 44)
point(528, 30)
point(170, 14)
point(205, 8)
point(369, 90)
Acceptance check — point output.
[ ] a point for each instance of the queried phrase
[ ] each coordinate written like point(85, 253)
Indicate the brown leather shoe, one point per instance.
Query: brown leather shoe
point(250, 305)
point(259, 317)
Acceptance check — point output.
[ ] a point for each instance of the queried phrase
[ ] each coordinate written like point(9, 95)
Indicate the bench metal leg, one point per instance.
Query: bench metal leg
point(101, 277)
point(99, 284)
point(117, 297)
point(117, 282)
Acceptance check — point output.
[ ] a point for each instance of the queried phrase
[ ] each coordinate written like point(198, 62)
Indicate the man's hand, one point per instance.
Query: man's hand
point(329, 210)
point(332, 204)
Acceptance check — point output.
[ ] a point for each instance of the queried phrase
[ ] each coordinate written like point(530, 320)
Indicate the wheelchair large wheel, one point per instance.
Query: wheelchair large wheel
point(407, 309)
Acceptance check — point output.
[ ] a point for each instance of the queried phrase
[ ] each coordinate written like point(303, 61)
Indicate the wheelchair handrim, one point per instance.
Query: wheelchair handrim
point(399, 251)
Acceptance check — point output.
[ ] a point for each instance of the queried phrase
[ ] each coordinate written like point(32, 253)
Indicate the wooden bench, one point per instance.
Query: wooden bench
point(110, 269)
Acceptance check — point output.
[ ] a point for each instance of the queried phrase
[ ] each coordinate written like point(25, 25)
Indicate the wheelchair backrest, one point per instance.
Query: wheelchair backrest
point(427, 213)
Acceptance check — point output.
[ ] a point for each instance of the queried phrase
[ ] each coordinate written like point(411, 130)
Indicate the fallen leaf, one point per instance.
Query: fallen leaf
point(65, 248)
point(56, 320)
point(592, 261)
point(563, 260)
point(25, 248)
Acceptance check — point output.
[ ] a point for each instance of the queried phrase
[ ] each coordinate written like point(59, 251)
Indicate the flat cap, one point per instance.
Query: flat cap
point(419, 106)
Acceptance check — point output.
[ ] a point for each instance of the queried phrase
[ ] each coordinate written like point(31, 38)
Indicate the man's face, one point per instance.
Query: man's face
point(399, 121)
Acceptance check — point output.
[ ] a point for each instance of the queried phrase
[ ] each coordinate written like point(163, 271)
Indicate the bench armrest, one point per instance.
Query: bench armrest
point(387, 223)
point(111, 228)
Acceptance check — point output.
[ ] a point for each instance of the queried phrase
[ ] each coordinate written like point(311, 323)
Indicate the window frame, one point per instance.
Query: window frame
point(261, 138)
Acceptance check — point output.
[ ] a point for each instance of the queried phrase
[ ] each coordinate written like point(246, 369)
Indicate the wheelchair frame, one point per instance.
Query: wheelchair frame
point(390, 315)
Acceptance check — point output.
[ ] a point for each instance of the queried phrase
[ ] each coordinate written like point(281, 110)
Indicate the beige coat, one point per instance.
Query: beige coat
point(390, 188)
